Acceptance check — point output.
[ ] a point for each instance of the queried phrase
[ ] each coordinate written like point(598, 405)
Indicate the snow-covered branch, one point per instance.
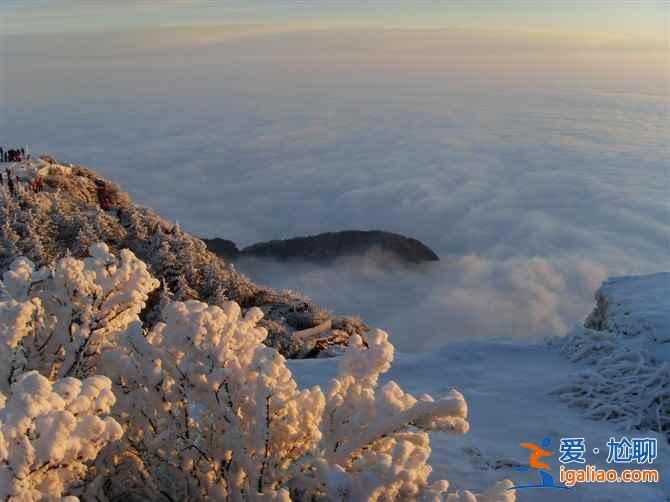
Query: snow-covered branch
point(207, 410)
point(48, 431)
point(58, 320)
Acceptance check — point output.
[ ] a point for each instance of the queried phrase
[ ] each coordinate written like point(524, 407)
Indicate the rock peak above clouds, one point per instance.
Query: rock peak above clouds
point(329, 246)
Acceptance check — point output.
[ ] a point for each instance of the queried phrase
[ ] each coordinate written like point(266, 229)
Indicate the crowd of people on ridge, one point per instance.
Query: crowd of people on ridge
point(8, 176)
point(13, 154)
point(12, 181)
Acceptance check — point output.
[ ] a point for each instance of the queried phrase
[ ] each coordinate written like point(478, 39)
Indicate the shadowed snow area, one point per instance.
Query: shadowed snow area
point(609, 380)
point(506, 384)
point(626, 343)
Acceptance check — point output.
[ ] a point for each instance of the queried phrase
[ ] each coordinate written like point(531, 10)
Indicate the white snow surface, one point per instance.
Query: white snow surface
point(507, 385)
point(639, 306)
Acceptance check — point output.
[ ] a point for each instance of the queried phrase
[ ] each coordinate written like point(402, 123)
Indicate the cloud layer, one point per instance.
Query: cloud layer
point(460, 297)
point(531, 172)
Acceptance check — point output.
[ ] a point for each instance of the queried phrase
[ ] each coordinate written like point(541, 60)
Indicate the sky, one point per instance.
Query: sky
point(645, 19)
point(526, 143)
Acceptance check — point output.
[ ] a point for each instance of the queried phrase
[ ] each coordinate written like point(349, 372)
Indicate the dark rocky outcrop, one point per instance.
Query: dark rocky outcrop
point(224, 248)
point(330, 246)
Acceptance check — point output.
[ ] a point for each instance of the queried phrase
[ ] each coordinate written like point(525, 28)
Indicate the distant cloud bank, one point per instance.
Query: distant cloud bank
point(533, 171)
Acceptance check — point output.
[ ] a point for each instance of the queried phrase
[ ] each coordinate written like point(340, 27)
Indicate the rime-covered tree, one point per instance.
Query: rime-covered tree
point(9, 237)
point(76, 207)
point(49, 431)
point(208, 411)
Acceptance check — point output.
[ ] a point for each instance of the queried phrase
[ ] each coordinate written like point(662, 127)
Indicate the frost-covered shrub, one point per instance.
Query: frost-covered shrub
point(622, 384)
point(212, 411)
point(623, 346)
point(48, 431)
point(58, 320)
point(207, 410)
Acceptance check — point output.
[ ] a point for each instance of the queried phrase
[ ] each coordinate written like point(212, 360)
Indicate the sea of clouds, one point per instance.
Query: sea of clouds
point(533, 172)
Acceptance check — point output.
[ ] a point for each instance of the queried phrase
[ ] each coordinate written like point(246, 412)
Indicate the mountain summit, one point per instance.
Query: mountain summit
point(57, 209)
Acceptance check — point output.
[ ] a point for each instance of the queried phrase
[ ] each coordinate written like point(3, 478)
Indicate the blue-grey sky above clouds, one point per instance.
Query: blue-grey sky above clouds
point(530, 152)
point(647, 19)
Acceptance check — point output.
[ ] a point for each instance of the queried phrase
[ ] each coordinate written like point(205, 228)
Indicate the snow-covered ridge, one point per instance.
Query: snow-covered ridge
point(72, 207)
point(634, 306)
point(625, 343)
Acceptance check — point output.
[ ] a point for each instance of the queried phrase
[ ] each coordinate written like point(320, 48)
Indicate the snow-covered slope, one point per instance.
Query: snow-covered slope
point(75, 208)
point(637, 306)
